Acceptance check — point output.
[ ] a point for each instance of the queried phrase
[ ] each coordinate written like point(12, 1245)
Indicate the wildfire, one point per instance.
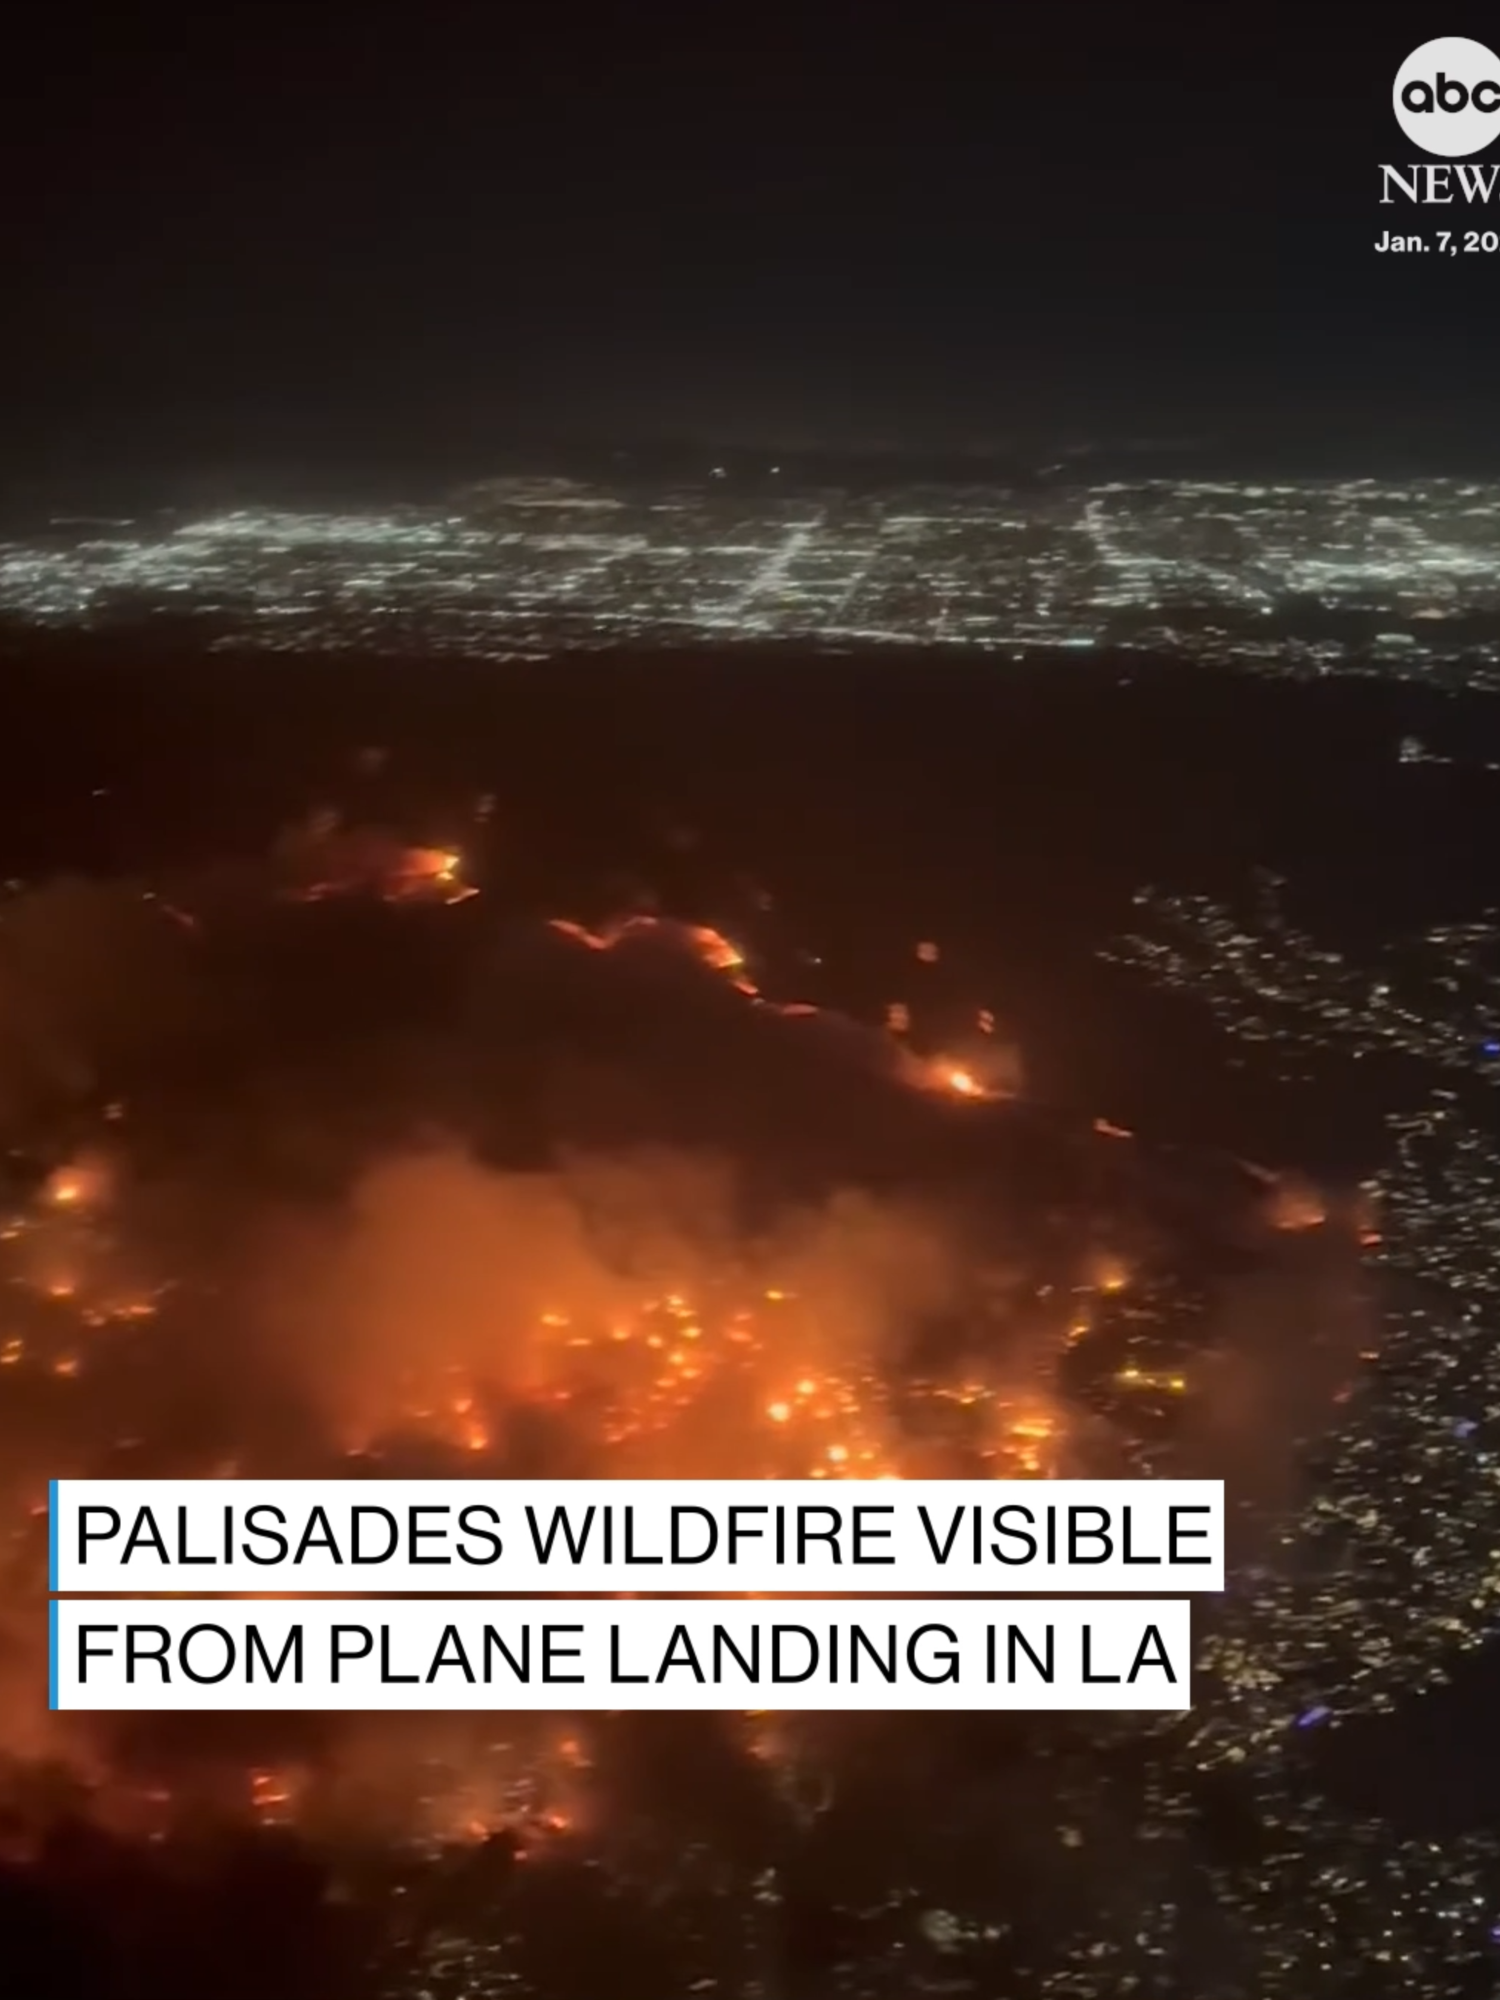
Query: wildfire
point(716, 950)
point(274, 1796)
point(325, 860)
point(948, 1078)
point(1296, 1205)
point(1031, 1442)
point(694, 1378)
point(711, 946)
point(942, 1074)
point(80, 1185)
point(726, 1363)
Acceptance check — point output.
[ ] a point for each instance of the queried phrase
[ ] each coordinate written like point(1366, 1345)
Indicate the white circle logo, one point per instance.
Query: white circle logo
point(1447, 96)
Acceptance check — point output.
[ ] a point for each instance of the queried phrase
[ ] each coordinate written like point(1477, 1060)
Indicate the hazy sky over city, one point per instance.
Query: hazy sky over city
point(341, 230)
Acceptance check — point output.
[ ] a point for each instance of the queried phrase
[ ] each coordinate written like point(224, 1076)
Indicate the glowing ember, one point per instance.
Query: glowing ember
point(1296, 1205)
point(324, 860)
point(80, 1185)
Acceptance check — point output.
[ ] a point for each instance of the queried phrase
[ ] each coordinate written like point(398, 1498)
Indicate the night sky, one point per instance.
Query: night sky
point(330, 233)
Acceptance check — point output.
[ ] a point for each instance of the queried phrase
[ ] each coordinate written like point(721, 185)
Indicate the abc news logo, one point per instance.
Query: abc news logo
point(1447, 101)
point(1448, 95)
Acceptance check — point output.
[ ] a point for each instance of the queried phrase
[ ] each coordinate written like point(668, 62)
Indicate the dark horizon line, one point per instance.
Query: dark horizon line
point(433, 468)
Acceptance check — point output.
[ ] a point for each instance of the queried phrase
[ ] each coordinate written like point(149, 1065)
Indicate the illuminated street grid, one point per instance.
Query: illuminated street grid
point(1304, 579)
point(1381, 1569)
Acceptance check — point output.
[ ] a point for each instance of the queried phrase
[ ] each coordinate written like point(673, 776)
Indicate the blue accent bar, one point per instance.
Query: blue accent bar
point(52, 1534)
point(52, 1654)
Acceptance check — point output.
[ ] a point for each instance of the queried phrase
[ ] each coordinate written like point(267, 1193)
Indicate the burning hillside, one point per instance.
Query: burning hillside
point(369, 1177)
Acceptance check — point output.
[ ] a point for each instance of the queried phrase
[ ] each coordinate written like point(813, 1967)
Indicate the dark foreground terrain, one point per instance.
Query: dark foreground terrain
point(1006, 812)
